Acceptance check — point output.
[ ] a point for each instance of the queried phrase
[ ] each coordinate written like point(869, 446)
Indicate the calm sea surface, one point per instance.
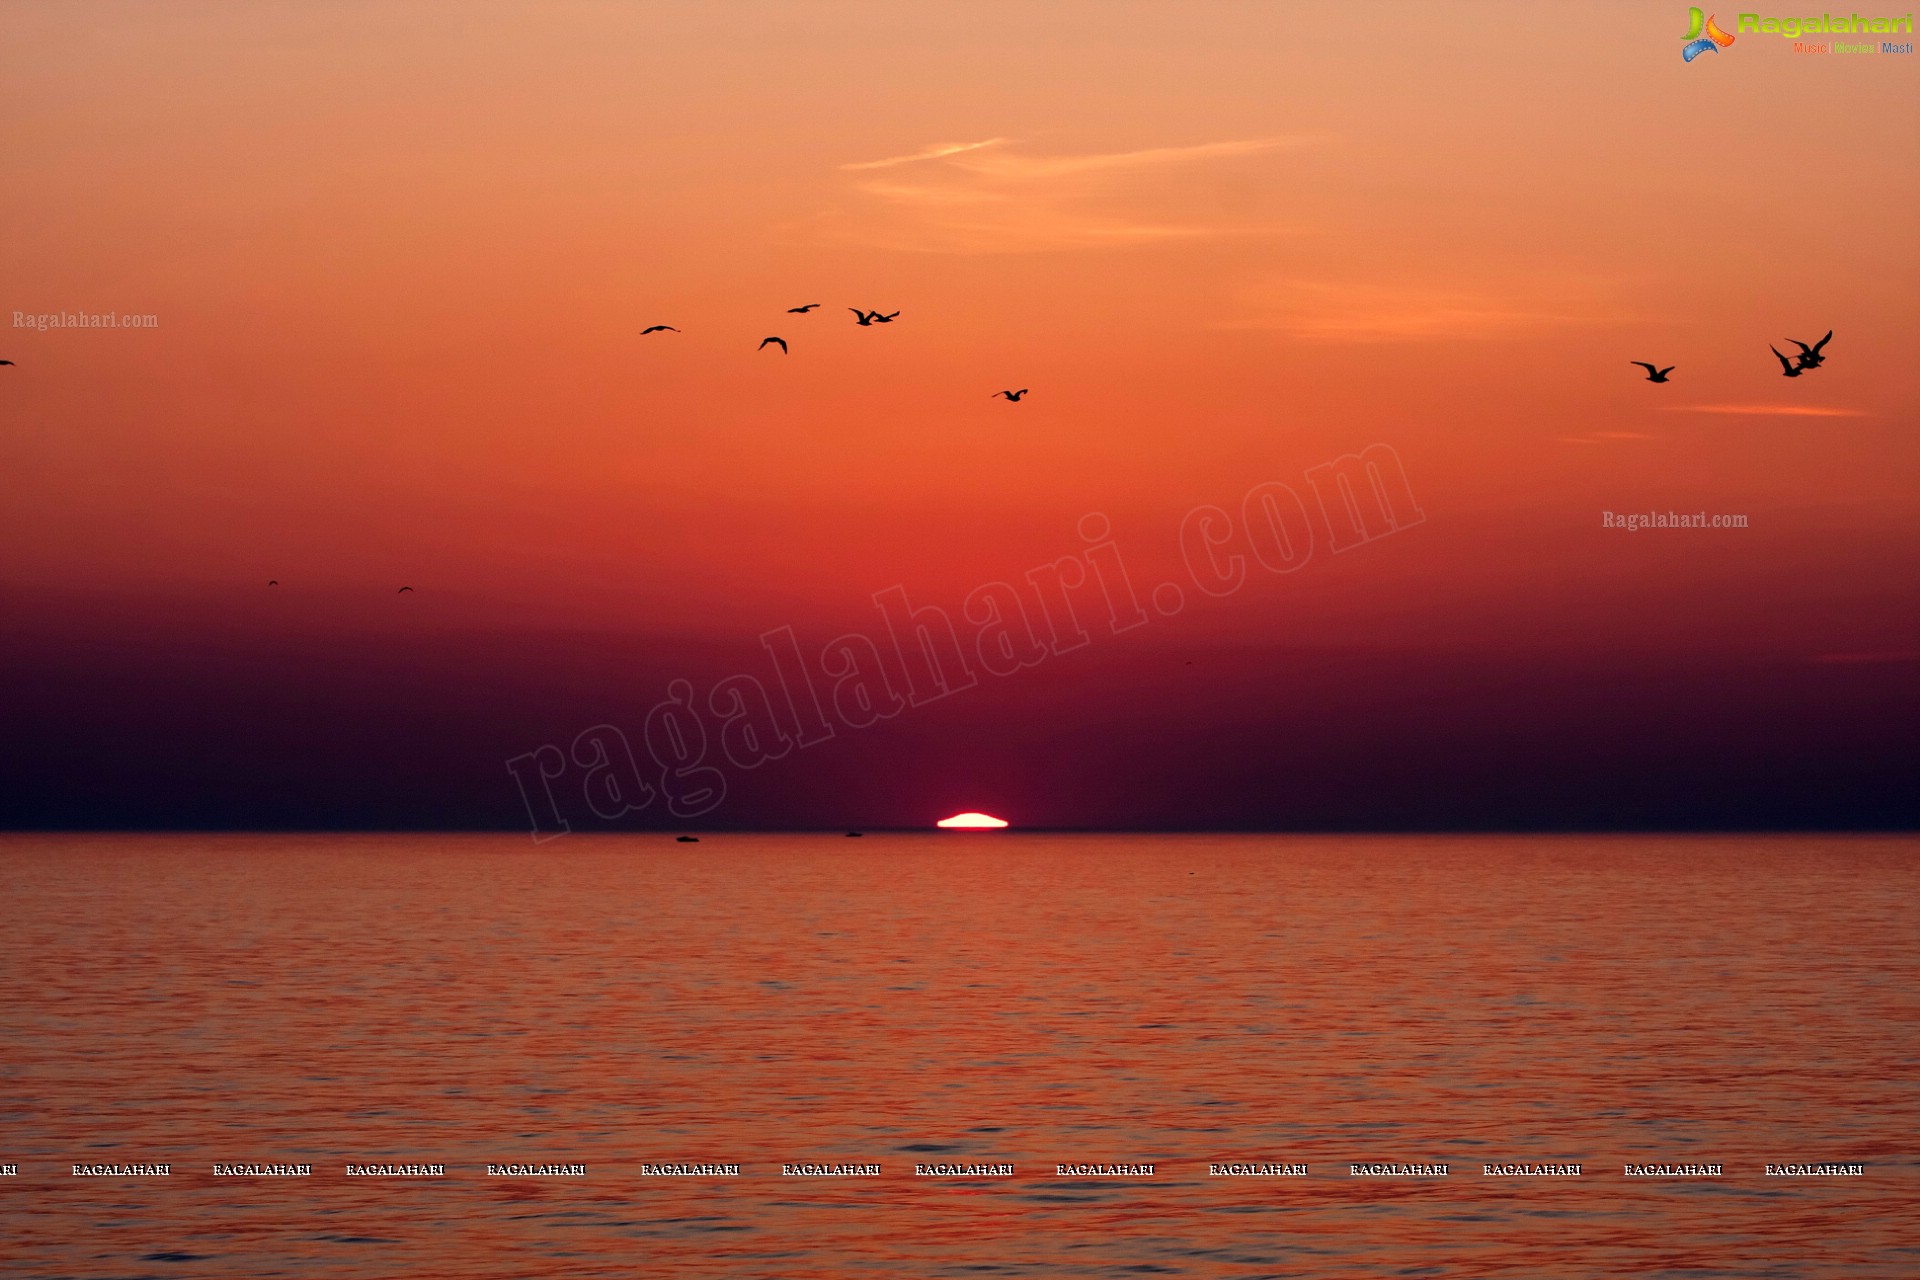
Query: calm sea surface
point(1030, 1000)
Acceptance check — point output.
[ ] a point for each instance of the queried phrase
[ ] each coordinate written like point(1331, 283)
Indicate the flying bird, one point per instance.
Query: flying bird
point(403, 589)
point(658, 328)
point(273, 582)
point(1653, 374)
point(880, 319)
point(1788, 369)
point(1810, 357)
point(800, 311)
point(6, 362)
point(1011, 395)
point(765, 341)
point(864, 317)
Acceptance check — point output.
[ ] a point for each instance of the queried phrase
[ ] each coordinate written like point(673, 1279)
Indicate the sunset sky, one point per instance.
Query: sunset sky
point(400, 256)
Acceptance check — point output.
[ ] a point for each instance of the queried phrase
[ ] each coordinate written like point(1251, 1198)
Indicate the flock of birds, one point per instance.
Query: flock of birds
point(864, 318)
point(861, 317)
point(1810, 357)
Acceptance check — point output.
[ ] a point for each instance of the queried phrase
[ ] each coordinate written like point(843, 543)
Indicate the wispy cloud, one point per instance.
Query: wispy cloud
point(1340, 311)
point(989, 197)
point(935, 152)
point(1013, 165)
point(1771, 410)
point(1601, 437)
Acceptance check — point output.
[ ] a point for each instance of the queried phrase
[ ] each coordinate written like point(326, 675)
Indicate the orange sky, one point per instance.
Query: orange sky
point(400, 255)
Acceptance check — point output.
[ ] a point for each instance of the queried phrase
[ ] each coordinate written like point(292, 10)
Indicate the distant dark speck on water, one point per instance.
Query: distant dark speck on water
point(687, 839)
point(856, 833)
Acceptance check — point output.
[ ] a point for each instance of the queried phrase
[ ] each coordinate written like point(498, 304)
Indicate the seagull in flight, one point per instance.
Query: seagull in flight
point(658, 328)
point(1653, 374)
point(6, 362)
point(1810, 357)
point(880, 319)
point(273, 582)
point(403, 589)
point(800, 311)
point(864, 317)
point(1011, 395)
point(1788, 369)
point(765, 341)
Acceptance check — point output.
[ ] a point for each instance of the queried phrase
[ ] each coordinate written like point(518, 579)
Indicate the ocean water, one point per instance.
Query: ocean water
point(1035, 1000)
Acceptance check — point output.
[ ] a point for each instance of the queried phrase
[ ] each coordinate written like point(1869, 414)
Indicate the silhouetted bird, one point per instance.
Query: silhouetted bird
point(800, 311)
point(6, 362)
point(765, 341)
point(403, 589)
point(1653, 374)
point(658, 328)
point(686, 839)
point(1011, 395)
point(1810, 357)
point(273, 582)
point(880, 319)
point(864, 317)
point(1788, 369)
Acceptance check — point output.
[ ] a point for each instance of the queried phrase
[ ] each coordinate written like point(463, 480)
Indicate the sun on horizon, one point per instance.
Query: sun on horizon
point(972, 822)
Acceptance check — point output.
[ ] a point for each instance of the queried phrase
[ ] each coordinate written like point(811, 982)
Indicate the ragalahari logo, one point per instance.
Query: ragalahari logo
point(1703, 36)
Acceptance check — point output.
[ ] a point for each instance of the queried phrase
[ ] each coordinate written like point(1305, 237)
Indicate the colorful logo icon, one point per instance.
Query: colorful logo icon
point(1703, 35)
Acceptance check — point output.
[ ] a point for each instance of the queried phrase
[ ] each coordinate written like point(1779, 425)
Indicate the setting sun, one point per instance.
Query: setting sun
point(971, 822)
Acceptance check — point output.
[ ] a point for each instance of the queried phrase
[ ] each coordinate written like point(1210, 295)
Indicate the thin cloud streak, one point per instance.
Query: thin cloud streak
point(1329, 311)
point(978, 197)
point(1015, 166)
point(1770, 410)
point(1601, 437)
point(935, 152)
